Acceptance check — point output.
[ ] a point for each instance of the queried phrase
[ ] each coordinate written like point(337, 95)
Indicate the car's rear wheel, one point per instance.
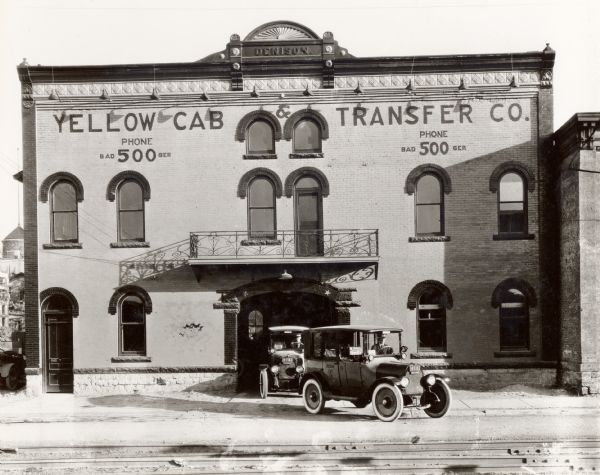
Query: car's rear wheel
point(440, 403)
point(263, 384)
point(387, 402)
point(312, 393)
point(13, 380)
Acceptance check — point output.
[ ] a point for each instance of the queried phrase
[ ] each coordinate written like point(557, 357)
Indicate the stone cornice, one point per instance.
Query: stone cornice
point(578, 133)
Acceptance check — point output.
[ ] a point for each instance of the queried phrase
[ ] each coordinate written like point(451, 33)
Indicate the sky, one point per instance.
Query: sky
point(84, 32)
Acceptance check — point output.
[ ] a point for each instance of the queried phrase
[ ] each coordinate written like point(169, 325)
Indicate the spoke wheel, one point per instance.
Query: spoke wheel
point(387, 402)
point(312, 394)
point(263, 384)
point(440, 406)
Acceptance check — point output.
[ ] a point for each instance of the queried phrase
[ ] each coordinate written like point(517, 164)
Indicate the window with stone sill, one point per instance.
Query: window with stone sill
point(64, 214)
point(260, 139)
point(130, 204)
point(429, 206)
point(132, 326)
point(307, 137)
point(431, 321)
point(514, 321)
point(262, 216)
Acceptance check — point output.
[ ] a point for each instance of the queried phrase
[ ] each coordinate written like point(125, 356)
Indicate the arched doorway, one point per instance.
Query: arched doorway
point(259, 312)
point(58, 344)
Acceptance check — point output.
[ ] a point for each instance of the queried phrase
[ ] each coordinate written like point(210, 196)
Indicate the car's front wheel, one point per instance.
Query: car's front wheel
point(312, 393)
point(387, 402)
point(439, 399)
point(263, 384)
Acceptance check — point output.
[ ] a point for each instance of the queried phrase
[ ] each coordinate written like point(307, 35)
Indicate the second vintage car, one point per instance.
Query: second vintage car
point(365, 364)
point(286, 360)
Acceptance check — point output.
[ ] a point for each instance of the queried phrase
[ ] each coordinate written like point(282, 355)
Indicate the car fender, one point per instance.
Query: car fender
point(5, 368)
point(317, 376)
point(386, 379)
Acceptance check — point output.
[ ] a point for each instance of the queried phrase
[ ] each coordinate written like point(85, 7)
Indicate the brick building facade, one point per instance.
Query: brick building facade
point(173, 212)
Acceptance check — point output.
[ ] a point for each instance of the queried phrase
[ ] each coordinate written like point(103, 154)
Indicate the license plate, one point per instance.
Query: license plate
point(287, 360)
point(414, 368)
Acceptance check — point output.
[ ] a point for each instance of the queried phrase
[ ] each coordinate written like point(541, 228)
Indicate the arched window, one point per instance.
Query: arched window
point(514, 320)
point(307, 137)
point(63, 206)
point(132, 326)
point(512, 204)
point(255, 324)
point(262, 221)
point(431, 320)
point(130, 205)
point(260, 138)
point(429, 206)
point(308, 198)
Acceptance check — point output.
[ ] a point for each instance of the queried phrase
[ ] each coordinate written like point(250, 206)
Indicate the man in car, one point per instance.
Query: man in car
point(381, 347)
point(298, 345)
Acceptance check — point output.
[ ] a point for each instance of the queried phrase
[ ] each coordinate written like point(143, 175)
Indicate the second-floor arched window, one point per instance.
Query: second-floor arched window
point(307, 137)
point(429, 206)
point(130, 205)
point(260, 138)
point(512, 204)
point(63, 205)
point(262, 219)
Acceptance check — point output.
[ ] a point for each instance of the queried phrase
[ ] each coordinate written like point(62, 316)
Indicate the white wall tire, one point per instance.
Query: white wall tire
point(441, 407)
point(312, 395)
point(387, 402)
point(263, 384)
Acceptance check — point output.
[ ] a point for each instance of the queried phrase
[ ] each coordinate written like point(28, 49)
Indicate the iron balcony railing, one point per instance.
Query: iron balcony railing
point(324, 243)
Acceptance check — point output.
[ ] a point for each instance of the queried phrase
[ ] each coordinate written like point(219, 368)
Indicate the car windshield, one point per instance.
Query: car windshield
point(382, 343)
point(286, 341)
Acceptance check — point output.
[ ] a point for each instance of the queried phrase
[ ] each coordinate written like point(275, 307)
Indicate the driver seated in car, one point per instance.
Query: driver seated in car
point(381, 347)
point(298, 345)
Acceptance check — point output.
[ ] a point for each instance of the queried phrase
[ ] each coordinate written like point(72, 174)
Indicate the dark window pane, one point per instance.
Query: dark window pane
point(431, 296)
point(262, 222)
point(307, 182)
point(65, 226)
point(134, 338)
point(131, 225)
point(432, 332)
point(307, 137)
point(132, 310)
point(63, 197)
point(261, 193)
point(58, 302)
point(511, 187)
point(428, 219)
point(511, 222)
point(308, 213)
point(428, 190)
point(260, 137)
point(130, 196)
point(512, 296)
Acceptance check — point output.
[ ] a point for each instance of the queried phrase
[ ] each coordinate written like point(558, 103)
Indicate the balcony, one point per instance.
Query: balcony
point(327, 245)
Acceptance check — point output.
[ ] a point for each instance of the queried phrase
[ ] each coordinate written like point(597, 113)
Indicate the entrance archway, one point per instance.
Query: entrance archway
point(260, 312)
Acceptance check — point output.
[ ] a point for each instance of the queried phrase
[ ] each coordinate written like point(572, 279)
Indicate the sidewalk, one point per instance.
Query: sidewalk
point(193, 417)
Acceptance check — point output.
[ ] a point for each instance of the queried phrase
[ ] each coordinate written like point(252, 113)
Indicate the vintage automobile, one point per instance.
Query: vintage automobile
point(365, 364)
point(286, 360)
point(12, 369)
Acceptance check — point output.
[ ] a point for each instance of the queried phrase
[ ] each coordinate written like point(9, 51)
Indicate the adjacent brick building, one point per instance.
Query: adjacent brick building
point(577, 153)
point(173, 212)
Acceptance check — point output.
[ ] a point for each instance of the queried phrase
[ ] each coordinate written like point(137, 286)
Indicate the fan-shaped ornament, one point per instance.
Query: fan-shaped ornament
point(281, 31)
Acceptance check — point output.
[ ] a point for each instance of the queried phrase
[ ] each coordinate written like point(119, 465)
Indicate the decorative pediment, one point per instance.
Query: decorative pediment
point(281, 31)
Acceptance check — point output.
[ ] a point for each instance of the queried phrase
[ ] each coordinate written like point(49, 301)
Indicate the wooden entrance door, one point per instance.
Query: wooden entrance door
point(58, 354)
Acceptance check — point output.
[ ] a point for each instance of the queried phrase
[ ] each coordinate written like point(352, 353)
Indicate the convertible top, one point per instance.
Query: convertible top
point(288, 328)
point(358, 328)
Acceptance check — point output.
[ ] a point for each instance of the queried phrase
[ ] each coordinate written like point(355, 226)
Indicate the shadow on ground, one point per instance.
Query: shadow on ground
point(238, 407)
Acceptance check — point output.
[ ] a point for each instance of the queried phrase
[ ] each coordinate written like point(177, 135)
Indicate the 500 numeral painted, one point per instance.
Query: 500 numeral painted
point(136, 154)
